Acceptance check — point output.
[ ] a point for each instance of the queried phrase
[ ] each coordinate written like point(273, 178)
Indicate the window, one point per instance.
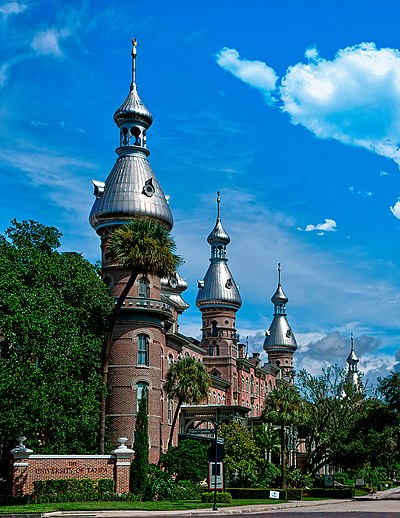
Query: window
point(169, 411)
point(142, 391)
point(144, 288)
point(143, 350)
point(170, 360)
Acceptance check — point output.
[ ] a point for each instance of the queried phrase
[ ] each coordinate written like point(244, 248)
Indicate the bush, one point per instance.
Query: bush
point(106, 485)
point(223, 497)
point(294, 494)
point(160, 485)
point(296, 478)
point(187, 490)
point(243, 493)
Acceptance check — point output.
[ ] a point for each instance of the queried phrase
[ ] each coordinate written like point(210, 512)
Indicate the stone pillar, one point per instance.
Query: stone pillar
point(122, 466)
point(21, 456)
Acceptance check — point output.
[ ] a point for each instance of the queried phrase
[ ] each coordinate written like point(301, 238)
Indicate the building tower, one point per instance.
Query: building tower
point(280, 343)
point(131, 191)
point(353, 376)
point(218, 299)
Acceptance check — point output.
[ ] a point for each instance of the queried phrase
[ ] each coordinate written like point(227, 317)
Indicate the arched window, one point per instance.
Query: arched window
point(142, 391)
point(170, 411)
point(214, 330)
point(170, 360)
point(252, 384)
point(210, 350)
point(144, 288)
point(143, 350)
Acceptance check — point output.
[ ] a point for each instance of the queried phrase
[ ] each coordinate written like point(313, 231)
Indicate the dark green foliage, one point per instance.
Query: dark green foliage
point(140, 464)
point(389, 388)
point(223, 497)
point(296, 478)
point(187, 490)
point(268, 474)
point(160, 485)
point(54, 316)
point(187, 461)
point(73, 490)
point(294, 494)
point(242, 456)
point(243, 493)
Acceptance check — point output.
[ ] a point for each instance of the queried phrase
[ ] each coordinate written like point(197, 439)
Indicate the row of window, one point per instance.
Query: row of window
point(142, 391)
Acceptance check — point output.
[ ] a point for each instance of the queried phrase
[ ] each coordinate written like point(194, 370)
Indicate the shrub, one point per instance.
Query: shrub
point(244, 493)
point(297, 478)
point(160, 485)
point(223, 497)
point(294, 494)
point(187, 490)
point(344, 493)
point(106, 485)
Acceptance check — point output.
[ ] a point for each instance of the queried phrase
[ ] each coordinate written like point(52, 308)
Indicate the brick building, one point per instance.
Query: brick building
point(146, 339)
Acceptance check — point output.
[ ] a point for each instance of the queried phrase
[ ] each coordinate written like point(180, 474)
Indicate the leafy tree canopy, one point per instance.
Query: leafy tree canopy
point(242, 456)
point(187, 461)
point(53, 318)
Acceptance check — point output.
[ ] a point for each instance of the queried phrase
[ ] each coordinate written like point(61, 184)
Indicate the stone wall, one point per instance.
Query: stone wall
point(27, 467)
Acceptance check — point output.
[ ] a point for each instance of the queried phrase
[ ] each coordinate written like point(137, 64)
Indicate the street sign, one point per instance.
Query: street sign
point(218, 455)
point(213, 483)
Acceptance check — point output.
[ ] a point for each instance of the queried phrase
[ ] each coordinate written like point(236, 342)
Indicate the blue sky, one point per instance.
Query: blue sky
point(289, 108)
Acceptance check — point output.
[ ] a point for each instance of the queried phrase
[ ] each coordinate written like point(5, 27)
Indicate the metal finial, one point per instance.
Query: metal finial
point(279, 273)
point(133, 54)
point(218, 204)
point(352, 341)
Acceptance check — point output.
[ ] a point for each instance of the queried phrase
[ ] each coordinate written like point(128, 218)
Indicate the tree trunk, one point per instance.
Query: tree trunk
point(105, 355)
point(283, 457)
point(171, 435)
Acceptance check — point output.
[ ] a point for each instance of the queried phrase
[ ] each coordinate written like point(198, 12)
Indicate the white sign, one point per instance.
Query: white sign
point(212, 483)
point(274, 495)
point(360, 482)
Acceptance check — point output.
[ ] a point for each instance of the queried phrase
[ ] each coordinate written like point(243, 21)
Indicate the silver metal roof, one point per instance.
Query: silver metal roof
point(218, 287)
point(218, 234)
point(131, 191)
point(133, 109)
point(279, 296)
point(279, 337)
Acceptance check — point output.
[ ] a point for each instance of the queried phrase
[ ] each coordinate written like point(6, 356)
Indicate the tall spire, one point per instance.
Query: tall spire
point(218, 286)
point(133, 54)
point(353, 376)
point(131, 190)
point(280, 343)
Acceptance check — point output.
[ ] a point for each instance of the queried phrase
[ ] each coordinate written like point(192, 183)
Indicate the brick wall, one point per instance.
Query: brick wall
point(27, 468)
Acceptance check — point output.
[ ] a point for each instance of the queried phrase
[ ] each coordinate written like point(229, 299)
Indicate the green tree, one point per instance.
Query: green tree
point(142, 247)
point(283, 406)
point(242, 456)
point(330, 410)
point(140, 463)
point(187, 461)
point(389, 389)
point(267, 439)
point(187, 381)
point(53, 318)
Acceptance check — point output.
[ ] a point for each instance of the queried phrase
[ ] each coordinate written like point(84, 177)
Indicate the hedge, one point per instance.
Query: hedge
point(317, 492)
point(255, 493)
point(223, 497)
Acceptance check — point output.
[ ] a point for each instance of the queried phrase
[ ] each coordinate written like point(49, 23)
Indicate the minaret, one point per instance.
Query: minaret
point(131, 191)
point(280, 343)
point(218, 297)
point(353, 376)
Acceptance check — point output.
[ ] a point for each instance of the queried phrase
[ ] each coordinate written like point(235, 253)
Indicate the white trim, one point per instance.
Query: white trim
point(70, 456)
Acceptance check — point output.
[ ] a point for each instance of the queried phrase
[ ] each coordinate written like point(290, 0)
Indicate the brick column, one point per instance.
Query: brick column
point(21, 456)
point(122, 466)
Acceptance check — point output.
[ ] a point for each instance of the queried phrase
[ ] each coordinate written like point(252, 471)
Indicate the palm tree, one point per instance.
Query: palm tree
point(188, 382)
point(144, 247)
point(267, 439)
point(282, 406)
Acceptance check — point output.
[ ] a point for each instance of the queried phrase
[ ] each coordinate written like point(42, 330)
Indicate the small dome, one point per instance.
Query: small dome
point(218, 288)
point(133, 110)
point(218, 234)
point(279, 296)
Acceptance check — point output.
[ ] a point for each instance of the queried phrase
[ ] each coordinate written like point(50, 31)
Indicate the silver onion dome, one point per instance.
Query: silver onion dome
point(131, 190)
point(218, 287)
point(133, 108)
point(279, 337)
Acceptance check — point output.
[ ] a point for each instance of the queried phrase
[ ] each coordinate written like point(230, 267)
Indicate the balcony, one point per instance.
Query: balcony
point(144, 304)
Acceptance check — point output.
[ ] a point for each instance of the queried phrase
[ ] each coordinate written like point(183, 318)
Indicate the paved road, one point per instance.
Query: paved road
point(387, 505)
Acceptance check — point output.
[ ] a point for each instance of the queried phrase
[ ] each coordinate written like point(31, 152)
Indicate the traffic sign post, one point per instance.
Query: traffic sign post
point(216, 476)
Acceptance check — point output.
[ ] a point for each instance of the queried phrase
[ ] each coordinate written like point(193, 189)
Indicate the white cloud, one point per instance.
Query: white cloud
point(364, 194)
point(355, 98)
point(329, 225)
point(396, 209)
point(254, 73)
point(12, 8)
point(48, 42)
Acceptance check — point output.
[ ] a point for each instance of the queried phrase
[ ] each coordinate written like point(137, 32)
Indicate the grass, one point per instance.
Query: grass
point(162, 505)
